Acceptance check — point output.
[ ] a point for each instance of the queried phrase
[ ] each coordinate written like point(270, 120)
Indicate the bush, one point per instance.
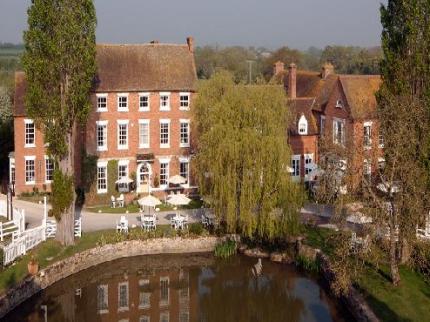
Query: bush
point(308, 264)
point(196, 229)
point(421, 258)
point(225, 249)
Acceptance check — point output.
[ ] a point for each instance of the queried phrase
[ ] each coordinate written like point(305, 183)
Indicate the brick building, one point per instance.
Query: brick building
point(140, 118)
point(339, 108)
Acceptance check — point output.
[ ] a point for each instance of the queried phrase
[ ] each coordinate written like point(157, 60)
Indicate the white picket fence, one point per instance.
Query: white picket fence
point(23, 240)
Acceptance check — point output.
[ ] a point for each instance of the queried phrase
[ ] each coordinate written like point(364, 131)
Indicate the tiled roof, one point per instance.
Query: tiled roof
point(360, 94)
point(145, 67)
point(299, 107)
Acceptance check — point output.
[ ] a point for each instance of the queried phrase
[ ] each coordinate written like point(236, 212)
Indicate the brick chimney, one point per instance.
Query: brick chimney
point(278, 68)
point(190, 43)
point(327, 69)
point(292, 79)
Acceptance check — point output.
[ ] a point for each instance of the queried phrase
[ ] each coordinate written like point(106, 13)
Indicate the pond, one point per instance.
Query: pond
point(182, 288)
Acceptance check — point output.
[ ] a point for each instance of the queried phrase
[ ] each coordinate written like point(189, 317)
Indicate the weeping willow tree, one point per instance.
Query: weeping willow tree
point(243, 157)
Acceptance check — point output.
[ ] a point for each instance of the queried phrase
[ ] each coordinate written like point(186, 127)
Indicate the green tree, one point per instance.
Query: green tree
point(285, 55)
point(243, 157)
point(6, 130)
point(59, 62)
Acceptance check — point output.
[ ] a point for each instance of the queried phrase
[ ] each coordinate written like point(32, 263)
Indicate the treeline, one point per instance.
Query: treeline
point(257, 63)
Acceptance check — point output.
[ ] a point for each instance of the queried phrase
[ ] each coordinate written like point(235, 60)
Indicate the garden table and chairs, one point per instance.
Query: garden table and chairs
point(120, 200)
point(179, 221)
point(149, 222)
point(122, 225)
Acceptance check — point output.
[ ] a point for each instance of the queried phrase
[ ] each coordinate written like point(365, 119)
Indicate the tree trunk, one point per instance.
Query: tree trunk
point(405, 252)
point(66, 225)
point(394, 266)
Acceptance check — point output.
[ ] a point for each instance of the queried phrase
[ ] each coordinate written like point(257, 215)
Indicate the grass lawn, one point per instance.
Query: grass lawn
point(410, 301)
point(51, 251)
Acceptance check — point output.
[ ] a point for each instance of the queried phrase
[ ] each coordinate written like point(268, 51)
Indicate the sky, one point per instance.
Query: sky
point(268, 23)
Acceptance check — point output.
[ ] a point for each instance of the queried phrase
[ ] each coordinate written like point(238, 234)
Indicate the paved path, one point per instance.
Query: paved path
point(100, 221)
point(96, 221)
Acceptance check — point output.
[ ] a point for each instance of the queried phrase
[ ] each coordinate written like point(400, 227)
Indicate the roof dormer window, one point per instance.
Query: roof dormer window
point(339, 103)
point(303, 125)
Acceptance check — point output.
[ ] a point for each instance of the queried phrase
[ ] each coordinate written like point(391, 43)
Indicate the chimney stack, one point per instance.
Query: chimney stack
point(292, 79)
point(278, 68)
point(327, 70)
point(190, 43)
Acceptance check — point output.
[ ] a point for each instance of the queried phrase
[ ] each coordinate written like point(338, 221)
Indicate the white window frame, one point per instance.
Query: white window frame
point(146, 108)
point(165, 161)
point(184, 121)
point(339, 103)
point(104, 147)
point(164, 279)
point(336, 123)
point(295, 165)
point(367, 169)
point(367, 125)
point(121, 95)
point(303, 124)
point(381, 163)
point(120, 123)
point(167, 107)
point(144, 297)
point(306, 158)
point(165, 145)
point(381, 138)
point(187, 107)
point(187, 161)
point(145, 145)
point(29, 145)
point(30, 158)
point(105, 289)
point(46, 169)
point(101, 95)
point(123, 308)
point(102, 164)
point(123, 163)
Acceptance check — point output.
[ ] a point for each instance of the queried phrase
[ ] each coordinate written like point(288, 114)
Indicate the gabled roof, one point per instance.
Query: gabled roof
point(360, 94)
point(299, 107)
point(145, 67)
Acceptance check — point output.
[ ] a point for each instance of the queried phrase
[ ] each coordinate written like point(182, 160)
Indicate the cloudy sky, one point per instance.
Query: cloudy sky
point(269, 23)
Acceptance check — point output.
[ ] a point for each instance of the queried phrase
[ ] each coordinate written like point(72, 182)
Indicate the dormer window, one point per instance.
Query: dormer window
point(339, 103)
point(303, 125)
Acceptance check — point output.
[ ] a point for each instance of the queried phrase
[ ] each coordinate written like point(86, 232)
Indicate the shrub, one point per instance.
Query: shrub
point(225, 249)
point(196, 229)
point(421, 258)
point(308, 264)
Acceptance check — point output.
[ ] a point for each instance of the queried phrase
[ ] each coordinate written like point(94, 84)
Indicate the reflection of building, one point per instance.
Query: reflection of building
point(140, 117)
point(161, 295)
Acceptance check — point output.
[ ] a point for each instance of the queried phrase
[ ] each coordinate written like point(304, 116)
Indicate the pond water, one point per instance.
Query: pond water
point(178, 288)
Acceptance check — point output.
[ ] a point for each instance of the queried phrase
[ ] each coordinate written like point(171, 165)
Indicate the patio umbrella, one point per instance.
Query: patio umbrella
point(177, 179)
point(359, 218)
point(124, 180)
point(178, 200)
point(149, 201)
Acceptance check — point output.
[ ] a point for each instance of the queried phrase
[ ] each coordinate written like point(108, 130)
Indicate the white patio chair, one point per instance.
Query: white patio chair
point(120, 200)
point(112, 202)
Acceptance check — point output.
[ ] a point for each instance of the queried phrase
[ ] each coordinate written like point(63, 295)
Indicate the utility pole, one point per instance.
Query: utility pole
point(250, 62)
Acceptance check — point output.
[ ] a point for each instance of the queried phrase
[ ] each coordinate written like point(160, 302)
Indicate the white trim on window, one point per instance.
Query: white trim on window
point(167, 106)
point(184, 105)
point(122, 308)
point(119, 124)
point(186, 143)
point(143, 145)
point(164, 161)
point(105, 96)
point(295, 165)
point(30, 158)
point(148, 102)
point(103, 124)
point(165, 145)
point(46, 168)
point(103, 299)
point(322, 124)
point(367, 135)
point(29, 145)
point(303, 125)
point(119, 97)
point(102, 186)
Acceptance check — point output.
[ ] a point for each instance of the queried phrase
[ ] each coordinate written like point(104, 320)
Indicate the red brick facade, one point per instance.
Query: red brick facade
point(146, 72)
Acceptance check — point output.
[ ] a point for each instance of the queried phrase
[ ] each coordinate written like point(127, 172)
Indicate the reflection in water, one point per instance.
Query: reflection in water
point(177, 288)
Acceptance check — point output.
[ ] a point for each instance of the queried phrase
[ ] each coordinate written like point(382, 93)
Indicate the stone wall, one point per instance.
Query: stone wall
point(95, 256)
